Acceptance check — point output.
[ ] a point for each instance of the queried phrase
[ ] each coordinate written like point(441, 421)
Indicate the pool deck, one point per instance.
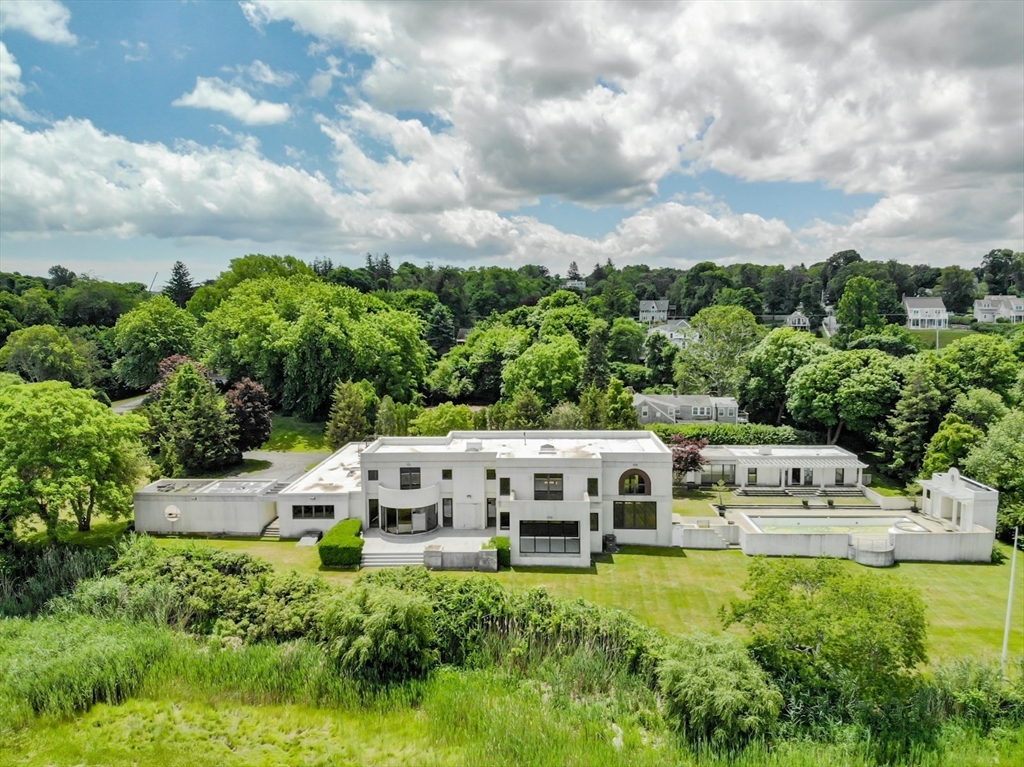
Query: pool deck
point(740, 516)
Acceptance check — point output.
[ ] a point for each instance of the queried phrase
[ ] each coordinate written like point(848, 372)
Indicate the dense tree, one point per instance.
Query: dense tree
point(891, 339)
point(810, 304)
point(714, 363)
point(625, 341)
point(61, 450)
point(697, 289)
point(858, 309)
point(475, 370)
point(151, 332)
point(249, 407)
point(438, 421)
point(526, 411)
point(593, 408)
point(985, 362)
point(92, 302)
point(8, 324)
point(949, 445)
point(915, 417)
point(551, 369)
point(393, 418)
point(979, 407)
point(852, 389)
point(251, 267)
point(660, 357)
point(957, 288)
point(574, 272)
point(440, 332)
point(61, 277)
point(36, 307)
point(619, 410)
point(193, 429)
point(421, 303)
point(43, 353)
point(595, 366)
point(179, 287)
point(565, 416)
point(748, 298)
point(771, 364)
point(998, 270)
point(997, 459)
point(686, 454)
point(818, 626)
point(347, 420)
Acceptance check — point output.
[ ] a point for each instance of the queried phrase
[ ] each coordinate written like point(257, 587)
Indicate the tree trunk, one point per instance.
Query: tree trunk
point(833, 438)
point(782, 409)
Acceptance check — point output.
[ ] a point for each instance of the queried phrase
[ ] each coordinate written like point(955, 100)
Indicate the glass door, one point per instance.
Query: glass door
point(492, 512)
point(446, 512)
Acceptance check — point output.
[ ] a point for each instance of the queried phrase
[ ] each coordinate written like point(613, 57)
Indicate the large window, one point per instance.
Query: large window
point(312, 512)
point(547, 487)
point(592, 487)
point(635, 515)
point(549, 538)
point(634, 482)
point(418, 520)
point(717, 471)
point(505, 486)
point(409, 479)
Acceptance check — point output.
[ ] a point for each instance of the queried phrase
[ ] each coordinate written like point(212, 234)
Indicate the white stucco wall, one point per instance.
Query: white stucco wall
point(794, 544)
point(345, 505)
point(975, 546)
point(214, 514)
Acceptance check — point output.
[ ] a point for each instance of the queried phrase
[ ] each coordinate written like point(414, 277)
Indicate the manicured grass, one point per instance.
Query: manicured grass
point(680, 591)
point(946, 337)
point(102, 533)
point(292, 435)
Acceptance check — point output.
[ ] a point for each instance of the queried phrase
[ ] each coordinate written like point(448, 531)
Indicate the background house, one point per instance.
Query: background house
point(678, 332)
point(653, 312)
point(798, 320)
point(925, 312)
point(992, 308)
point(687, 408)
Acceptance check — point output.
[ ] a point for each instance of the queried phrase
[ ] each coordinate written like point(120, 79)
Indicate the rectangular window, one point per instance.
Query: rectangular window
point(492, 474)
point(549, 537)
point(732, 412)
point(313, 512)
point(643, 411)
point(446, 512)
point(592, 487)
point(595, 522)
point(547, 487)
point(446, 473)
point(751, 476)
point(503, 520)
point(409, 479)
point(505, 486)
point(492, 512)
point(840, 476)
point(371, 475)
point(374, 513)
point(635, 515)
point(717, 471)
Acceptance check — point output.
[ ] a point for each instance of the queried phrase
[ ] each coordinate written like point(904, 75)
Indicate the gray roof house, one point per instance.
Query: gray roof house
point(687, 408)
point(991, 308)
point(798, 320)
point(653, 311)
point(678, 332)
point(925, 312)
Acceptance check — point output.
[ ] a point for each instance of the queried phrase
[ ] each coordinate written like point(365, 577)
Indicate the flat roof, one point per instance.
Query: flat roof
point(338, 473)
point(525, 444)
point(784, 455)
point(188, 486)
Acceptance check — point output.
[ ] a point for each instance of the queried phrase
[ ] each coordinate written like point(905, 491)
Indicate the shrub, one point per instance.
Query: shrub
point(975, 692)
point(342, 546)
point(715, 694)
point(29, 577)
point(735, 434)
point(504, 547)
point(379, 635)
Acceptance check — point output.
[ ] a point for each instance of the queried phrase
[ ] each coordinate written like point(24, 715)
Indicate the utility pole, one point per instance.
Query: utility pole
point(1009, 601)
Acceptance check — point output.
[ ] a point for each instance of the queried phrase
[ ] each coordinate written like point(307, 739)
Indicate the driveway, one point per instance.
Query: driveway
point(128, 405)
point(286, 466)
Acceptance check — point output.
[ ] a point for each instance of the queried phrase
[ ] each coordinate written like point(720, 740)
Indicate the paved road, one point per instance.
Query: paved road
point(127, 405)
point(286, 466)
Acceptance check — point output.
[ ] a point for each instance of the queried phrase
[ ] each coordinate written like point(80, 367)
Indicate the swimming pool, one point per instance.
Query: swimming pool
point(861, 525)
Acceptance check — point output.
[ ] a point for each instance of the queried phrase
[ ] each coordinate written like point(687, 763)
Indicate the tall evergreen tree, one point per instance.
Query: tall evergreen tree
point(914, 420)
point(574, 272)
point(526, 411)
point(387, 417)
point(347, 421)
point(593, 408)
point(180, 287)
point(620, 413)
point(660, 354)
point(440, 332)
point(595, 366)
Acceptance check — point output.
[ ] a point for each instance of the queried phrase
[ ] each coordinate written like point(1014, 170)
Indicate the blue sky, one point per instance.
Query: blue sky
point(136, 134)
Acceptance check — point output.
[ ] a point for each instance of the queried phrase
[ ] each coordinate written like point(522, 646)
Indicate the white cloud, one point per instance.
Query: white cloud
point(214, 93)
point(11, 87)
point(136, 51)
point(261, 74)
point(45, 20)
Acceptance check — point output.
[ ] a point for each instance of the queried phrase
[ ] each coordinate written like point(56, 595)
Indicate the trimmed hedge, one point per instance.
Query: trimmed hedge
point(735, 434)
point(342, 546)
point(504, 547)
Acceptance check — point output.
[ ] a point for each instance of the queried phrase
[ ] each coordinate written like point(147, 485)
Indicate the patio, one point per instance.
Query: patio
point(450, 538)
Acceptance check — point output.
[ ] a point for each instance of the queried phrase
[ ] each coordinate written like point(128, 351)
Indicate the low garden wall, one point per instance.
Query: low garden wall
point(888, 502)
point(484, 561)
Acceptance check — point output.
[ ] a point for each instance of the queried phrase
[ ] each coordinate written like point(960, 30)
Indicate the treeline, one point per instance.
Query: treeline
point(829, 655)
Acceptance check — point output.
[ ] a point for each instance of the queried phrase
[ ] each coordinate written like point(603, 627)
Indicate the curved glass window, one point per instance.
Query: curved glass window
point(634, 482)
point(408, 521)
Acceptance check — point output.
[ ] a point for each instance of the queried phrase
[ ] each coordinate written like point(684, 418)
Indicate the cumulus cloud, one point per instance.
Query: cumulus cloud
point(262, 74)
point(11, 87)
point(45, 20)
point(214, 93)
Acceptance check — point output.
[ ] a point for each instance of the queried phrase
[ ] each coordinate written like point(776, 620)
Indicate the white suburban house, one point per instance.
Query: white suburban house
point(678, 332)
point(555, 494)
point(653, 312)
point(687, 408)
point(925, 312)
point(992, 308)
point(779, 466)
point(574, 284)
point(798, 320)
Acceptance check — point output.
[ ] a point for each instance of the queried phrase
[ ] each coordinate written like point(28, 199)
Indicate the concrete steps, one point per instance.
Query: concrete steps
point(272, 530)
point(392, 559)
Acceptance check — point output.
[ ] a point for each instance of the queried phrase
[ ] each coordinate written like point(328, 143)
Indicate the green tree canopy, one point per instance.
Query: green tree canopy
point(997, 459)
point(551, 369)
point(985, 362)
point(475, 370)
point(438, 421)
point(915, 417)
point(347, 421)
point(979, 407)
point(525, 411)
point(852, 389)
point(62, 450)
point(179, 287)
point(96, 303)
point(151, 332)
point(771, 364)
point(949, 444)
point(859, 308)
point(660, 357)
point(715, 363)
point(619, 413)
point(44, 353)
point(625, 341)
point(957, 288)
point(441, 330)
point(748, 298)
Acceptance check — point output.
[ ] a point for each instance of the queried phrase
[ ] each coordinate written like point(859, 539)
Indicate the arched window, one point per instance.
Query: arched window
point(634, 482)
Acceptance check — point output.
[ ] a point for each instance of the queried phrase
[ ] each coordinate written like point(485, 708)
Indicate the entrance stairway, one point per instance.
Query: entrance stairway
point(272, 530)
point(392, 558)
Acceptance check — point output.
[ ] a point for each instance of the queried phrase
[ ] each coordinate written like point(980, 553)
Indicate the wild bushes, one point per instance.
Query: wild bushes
point(342, 546)
point(30, 577)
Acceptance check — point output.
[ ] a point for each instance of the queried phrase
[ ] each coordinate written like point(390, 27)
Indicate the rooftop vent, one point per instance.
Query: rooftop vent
point(765, 450)
point(474, 446)
point(547, 448)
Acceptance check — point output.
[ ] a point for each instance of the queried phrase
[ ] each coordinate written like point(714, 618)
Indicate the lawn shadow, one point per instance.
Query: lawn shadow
point(592, 570)
point(653, 551)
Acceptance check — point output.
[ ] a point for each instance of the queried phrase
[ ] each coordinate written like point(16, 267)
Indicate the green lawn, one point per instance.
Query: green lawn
point(946, 337)
point(293, 435)
point(679, 591)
